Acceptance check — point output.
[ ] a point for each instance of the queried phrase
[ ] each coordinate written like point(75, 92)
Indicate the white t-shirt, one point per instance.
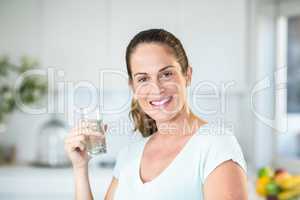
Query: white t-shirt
point(184, 177)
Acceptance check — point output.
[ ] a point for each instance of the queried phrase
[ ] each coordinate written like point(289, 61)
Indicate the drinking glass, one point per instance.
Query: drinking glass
point(93, 123)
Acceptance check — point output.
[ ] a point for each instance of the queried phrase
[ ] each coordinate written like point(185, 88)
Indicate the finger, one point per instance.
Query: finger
point(93, 133)
point(74, 146)
point(80, 147)
point(75, 131)
point(77, 145)
point(82, 138)
point(78, 131)
point(69, 137)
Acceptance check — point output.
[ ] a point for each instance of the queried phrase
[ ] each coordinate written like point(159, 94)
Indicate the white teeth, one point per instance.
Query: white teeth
point(159, 103)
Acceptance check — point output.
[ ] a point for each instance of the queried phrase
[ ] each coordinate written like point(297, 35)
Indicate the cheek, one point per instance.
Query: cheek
point(178, 91)
point(142, 94)
point(141, 91)
point(175, 87)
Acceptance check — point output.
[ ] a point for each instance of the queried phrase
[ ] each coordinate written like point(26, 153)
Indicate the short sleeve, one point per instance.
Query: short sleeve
point(120, 161)
point(222, 148)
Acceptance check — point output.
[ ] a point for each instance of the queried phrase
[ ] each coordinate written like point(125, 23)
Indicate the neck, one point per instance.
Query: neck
point(184, 123)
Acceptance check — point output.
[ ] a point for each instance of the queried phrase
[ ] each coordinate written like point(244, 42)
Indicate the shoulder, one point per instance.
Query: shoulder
point(227, 181)
point(210, 135)
point(216, 148)
point(210, 139)
point(224, 168)
point(221, 141)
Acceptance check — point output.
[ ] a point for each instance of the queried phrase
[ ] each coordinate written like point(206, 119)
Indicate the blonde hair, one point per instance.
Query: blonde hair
point(143, 122)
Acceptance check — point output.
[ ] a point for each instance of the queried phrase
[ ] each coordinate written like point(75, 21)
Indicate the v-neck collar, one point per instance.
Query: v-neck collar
point(166, 169)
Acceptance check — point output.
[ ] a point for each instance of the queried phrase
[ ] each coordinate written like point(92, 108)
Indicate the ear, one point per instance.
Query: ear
point(189, 73)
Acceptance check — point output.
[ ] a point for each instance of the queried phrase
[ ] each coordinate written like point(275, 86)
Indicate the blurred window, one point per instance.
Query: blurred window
point(293, 63)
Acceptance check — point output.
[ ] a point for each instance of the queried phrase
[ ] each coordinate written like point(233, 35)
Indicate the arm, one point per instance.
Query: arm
point(227, 182)
point(111, 189)
point(82, 185)
point(76, 150)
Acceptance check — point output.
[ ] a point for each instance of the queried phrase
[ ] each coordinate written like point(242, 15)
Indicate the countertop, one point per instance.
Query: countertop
point(28, 182)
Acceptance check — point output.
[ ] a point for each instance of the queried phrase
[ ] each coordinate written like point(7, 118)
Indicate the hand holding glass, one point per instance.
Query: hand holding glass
point(95, 144)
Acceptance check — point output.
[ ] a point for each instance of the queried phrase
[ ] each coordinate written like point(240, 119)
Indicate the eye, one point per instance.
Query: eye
point(143, 79)
point(167, 74)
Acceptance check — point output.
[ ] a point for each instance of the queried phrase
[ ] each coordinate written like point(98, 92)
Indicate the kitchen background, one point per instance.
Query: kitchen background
point(243, 52)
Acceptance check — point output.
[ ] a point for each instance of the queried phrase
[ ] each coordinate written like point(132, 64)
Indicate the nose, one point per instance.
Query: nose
point(153, 89)
point(157, 88)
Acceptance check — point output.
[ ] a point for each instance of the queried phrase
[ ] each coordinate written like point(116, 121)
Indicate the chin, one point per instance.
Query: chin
point(163, 117)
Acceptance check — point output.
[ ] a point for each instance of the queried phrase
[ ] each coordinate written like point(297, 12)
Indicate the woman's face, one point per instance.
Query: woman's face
point(158, 84)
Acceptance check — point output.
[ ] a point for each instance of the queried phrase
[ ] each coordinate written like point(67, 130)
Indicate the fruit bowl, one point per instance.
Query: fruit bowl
point(277, 184)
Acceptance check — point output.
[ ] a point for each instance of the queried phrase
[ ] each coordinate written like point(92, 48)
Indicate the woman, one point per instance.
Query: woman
point(179, 156)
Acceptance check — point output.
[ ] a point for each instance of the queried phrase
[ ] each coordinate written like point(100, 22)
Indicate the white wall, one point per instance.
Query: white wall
point(81, 37)
point(77, 35)
point(21, 31)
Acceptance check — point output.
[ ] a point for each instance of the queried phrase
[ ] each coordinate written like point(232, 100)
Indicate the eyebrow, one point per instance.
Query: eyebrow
point(162, 69)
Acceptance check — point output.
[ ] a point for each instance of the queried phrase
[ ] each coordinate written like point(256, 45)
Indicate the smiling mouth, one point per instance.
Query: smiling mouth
point(161, 102)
